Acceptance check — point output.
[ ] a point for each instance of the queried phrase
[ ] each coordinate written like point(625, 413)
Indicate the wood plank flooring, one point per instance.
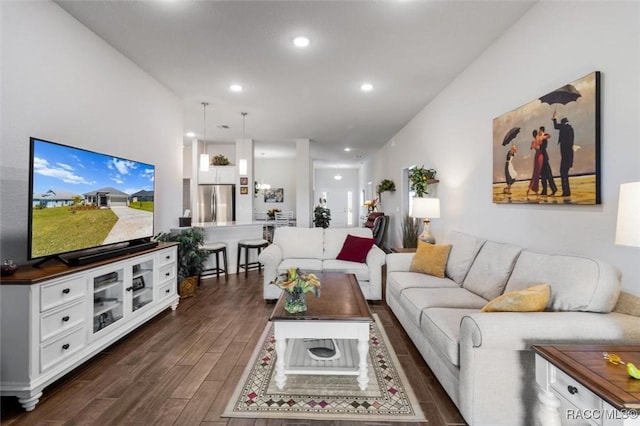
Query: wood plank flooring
point(181, 368)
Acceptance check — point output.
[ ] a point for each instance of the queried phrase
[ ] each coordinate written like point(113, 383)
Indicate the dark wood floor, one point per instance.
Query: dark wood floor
point(181, 367)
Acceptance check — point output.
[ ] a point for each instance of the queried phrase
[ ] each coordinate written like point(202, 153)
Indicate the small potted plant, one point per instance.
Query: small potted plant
point(272, 213)
point(321, 217)
point(220, 160)
point(420, 178)
point(386, 185)
point(191, 257)
point(371, 205)
point(410, 229)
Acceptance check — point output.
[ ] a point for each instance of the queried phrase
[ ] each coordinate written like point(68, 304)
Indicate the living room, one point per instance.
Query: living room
point(62, 82)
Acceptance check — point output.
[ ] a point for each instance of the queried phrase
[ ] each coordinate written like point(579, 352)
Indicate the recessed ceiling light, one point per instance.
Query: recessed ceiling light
point(301, 41)
point(347, 149)
point(366, 87)
point(235, 88)
point(190, 134)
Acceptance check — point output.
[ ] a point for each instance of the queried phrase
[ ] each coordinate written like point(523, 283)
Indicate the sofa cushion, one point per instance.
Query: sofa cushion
point(398, 281)
point(355, 249)
point(361, 270)
point(414, 300)
point(305, 265)
point(441, 327)
point(577, 283)
point(430, 259)
point(491, 269)
point(299, 243)
point(532, 299)
point(464, 249)
point(334, 239)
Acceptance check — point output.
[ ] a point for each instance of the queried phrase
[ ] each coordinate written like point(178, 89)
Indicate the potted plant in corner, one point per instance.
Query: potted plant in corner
point(321, 217)
point(191, 258)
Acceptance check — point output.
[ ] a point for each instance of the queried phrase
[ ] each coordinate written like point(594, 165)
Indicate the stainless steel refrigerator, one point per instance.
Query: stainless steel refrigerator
point(217, 203)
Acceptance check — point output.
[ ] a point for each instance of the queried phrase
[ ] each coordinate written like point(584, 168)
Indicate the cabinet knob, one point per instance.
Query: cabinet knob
point(66, 291)
point(167, 291)
point(572, 389)
point(167, 274)
point(65, 346)
point(65, 318)
point(129, 288)
point(168, 257)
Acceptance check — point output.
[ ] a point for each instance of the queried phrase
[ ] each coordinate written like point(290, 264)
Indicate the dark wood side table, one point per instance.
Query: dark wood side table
point(579, 386)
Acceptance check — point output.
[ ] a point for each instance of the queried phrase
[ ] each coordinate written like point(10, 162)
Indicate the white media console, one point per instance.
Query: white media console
point(55, 318)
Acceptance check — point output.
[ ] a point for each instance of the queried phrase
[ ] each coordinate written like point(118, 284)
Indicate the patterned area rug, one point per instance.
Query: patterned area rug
point(388, 397)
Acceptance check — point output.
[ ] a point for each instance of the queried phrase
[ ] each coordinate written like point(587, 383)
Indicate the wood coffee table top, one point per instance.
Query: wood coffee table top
point(340, 300)
point(586, 364)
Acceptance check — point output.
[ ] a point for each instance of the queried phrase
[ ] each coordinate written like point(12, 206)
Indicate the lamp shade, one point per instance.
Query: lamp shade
point(242, 167)
point(426, 208)
point(628, 224)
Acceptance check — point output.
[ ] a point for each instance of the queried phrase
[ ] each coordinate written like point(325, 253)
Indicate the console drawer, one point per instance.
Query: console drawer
point(167, 290)
point(61, 292)
point(61, 348)
point(167, 273)
point(573, 392)
point(54, 323)
point(167, 256)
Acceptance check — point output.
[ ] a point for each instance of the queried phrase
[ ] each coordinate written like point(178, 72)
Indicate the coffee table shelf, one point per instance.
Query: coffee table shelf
point(298, 361)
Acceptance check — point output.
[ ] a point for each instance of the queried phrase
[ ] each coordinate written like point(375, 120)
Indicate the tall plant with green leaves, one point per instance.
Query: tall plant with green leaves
point(191, 255)
point(321, 217)
point(410, 228)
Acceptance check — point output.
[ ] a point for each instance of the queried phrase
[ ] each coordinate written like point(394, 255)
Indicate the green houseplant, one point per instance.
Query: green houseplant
point(420, 178)
point(410, 228)
point(220, 160)
point(191, 257)
point(321, 217)
point(386, 185)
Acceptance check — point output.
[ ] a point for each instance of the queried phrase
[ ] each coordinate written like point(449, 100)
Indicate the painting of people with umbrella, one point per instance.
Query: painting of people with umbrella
point(548, 150)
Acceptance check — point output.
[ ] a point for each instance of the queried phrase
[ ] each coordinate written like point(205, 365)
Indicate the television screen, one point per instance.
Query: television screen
point(81, 199)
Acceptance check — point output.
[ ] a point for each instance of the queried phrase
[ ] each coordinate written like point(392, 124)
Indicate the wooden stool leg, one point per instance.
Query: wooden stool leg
point(259, 264)
point(217, 265)
point(238, 260)
point(224, 258)
point(246, 261)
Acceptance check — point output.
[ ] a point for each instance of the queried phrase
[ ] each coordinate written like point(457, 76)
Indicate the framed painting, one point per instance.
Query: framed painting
point(548, 150)
point(244, 190)
point(244, 181)
point(274, 195)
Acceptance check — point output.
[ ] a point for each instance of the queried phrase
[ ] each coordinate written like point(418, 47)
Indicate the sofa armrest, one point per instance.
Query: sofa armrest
point(375, 259)
point(399, 262)
point(270, 258)
point(519, 330)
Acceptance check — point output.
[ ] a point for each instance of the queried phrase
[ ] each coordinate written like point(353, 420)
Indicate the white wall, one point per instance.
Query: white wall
point(60, 82)
point(336, 194)
point(279, 173)
point(553, 44)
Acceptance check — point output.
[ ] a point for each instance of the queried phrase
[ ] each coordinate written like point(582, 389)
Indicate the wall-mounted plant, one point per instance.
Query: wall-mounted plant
point(420, 178)
point(386, 185)
point(220, 160)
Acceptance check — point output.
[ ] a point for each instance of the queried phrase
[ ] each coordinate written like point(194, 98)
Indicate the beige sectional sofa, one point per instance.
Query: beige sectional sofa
point(483, 360)
point(315, 250)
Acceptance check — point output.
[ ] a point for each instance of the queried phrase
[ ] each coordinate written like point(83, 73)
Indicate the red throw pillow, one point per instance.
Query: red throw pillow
point(355, 249)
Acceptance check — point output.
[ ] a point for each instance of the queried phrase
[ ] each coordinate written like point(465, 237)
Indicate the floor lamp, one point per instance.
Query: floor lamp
point(426, 209)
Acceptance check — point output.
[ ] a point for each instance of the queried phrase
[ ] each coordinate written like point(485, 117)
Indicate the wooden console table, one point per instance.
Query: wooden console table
point(579, 386)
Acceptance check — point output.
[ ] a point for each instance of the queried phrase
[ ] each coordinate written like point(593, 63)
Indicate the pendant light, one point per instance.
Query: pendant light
point(242, 164)
point(263, 186)
point(204, 158)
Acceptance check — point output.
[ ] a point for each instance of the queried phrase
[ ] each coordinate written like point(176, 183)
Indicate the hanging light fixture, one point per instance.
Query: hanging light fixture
point(242, 164)
point(338, 176)
point(204, 158)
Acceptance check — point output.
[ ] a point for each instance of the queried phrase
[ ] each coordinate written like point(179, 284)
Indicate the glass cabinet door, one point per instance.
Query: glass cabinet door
point(142, 283)
point(108, 306)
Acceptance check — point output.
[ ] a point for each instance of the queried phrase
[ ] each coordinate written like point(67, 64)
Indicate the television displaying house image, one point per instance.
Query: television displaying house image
point(81, 200)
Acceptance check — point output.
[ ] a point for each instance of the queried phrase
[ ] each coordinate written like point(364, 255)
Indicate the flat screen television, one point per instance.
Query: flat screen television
point(84, 205)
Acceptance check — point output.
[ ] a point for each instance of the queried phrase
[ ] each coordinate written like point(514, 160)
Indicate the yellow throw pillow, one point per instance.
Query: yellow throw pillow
point(430, 259)
point(532, 299)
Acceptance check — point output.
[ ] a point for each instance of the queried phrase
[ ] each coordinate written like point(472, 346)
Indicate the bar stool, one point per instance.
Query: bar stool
point(216, 248)
point(246, 245)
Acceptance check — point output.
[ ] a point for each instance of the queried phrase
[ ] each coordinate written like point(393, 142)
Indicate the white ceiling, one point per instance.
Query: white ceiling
point(409, 50)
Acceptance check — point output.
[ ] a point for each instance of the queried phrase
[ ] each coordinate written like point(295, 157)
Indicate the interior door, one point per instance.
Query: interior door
point(337, 202)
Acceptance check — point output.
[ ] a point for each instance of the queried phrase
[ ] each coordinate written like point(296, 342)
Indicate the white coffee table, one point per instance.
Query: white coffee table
point(341, 312)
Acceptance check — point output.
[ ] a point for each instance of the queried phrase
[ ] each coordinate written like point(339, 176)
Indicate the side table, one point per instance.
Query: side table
point(579, 386)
